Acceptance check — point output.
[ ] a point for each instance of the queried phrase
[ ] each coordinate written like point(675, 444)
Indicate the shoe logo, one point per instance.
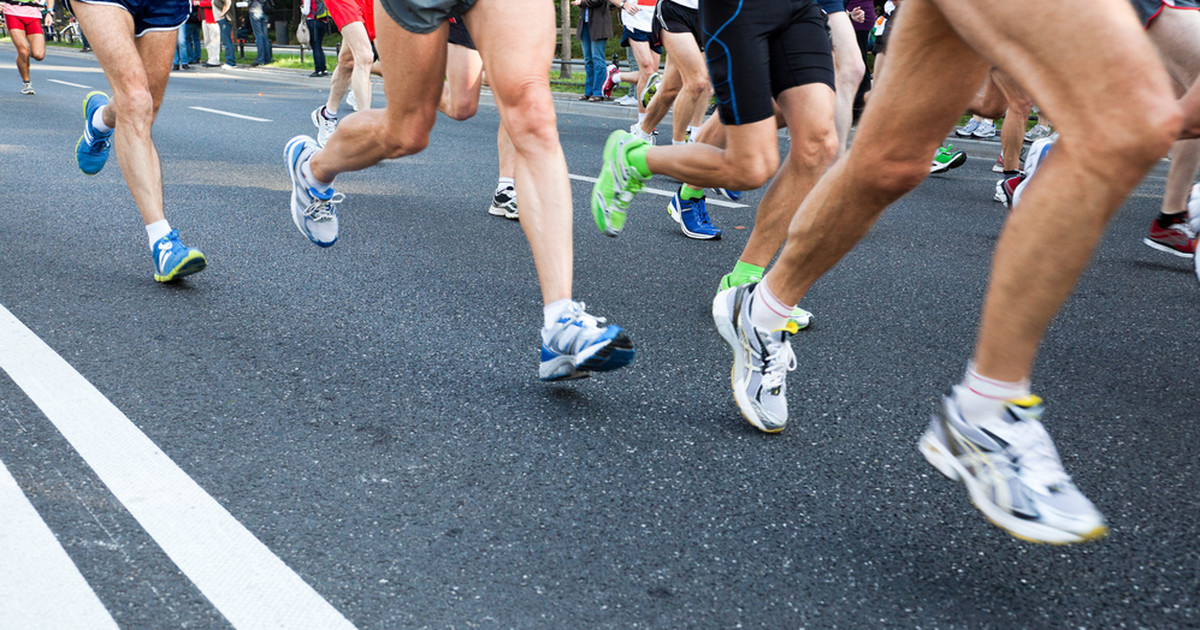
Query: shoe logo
point(164, 253)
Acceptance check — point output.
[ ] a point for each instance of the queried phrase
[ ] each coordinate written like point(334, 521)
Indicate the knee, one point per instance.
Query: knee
point(22, 50)
point(815, 150)
point(749, 174)
point(891, 176)
point(363, 55)
point(409, 138)
point(135, 108)
point(462, 109)
point(696, 87)
point(1143, 137)
point(38, 55)
point(529, 118)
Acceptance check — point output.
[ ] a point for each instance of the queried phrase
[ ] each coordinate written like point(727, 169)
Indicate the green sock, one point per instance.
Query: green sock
point(637, 157)
point(687, 193)
point(744, 272)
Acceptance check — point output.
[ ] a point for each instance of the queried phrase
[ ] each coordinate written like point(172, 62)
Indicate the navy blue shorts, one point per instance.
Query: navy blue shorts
point(832, 6)
point(633, 35)
point(150, 15)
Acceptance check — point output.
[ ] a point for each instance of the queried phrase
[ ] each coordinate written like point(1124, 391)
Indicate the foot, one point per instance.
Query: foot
point(227, 66)
point(325, 125)
point(628, 99)
point(174, 260)
point(91, 151)
point(761, 360)
point(609, 81)
point(998, 165)
point(618, 182)
point(801, 317)
point(985, 130)
point(1175, 237)
point(1012, 472)
point(27, 89)
point(651, 89)
point(1037, 133)
point(635, 130)
point(351, 100)
point(732, 195)
point(966, 130)
point(947, 158)
point(692, 217)
point(313, 211)
point(504, 204)
point(578, 344)
point(1038, 152)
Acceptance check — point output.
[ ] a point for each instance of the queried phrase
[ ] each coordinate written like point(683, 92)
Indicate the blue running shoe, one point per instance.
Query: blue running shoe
point(91, 152)
point(313, 211)
point(578, 344)
point(732, 195)
point(174, 260)
point(692, 216)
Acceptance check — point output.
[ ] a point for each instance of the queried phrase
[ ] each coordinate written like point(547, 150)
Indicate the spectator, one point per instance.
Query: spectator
point(225, 19)
point(212, 33)
point(260, 20)
point(595, 27)
point(191, 34)
point(317, 17)
point(181, 57)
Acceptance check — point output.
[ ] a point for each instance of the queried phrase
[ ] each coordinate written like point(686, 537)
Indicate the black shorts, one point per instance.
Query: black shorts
point(1147, 10)
point(675, 18)
point(756, 49)
point(832, 6)
point(459, 35)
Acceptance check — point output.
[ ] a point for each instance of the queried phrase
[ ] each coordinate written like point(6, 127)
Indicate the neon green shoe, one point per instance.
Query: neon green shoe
point(947, 158)
point(618, 182)
point(801, 317)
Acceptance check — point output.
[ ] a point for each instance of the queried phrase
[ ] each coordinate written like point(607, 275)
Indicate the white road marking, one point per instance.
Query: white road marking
point(247, 583)
point(667, 193)
point(41, 586)
point(230, 114)
point(78, 85)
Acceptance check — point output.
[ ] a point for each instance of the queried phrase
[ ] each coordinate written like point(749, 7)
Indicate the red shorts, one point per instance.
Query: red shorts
point(346, 12)
point(31, 25)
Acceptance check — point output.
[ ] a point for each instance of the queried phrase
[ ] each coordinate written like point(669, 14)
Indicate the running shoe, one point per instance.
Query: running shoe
point(1012, 472)
point(1176, 238)
point(618, 182)
point(628, 99)
point(651, 89)
point(1007, 187)
point(966, 130)
point(636, 131)
point(1037, 133)
point(1193, 206)
point(985, 130)
point(947, 158)
point(801, 317)
point(732, 195)
point(998, 166)
point(1033, 160)
point(692, 217)
point(313, 211)
point(174, 260)
point(1000, 194)
point(761, 359)
point(27, 89)
point(351, 100)
point(609, 80)
point(325, 126)
point(504, 204)
point(91, 151)
point(578, 344)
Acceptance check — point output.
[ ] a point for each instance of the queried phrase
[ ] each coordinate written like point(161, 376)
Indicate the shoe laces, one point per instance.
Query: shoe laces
point(323, 209)
point(1031, 446)
point(777, 361)
point(702, 213)
point(577, 311)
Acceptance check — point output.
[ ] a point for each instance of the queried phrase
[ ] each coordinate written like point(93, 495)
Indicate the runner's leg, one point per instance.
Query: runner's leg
point(21, 41)
point(849, 68)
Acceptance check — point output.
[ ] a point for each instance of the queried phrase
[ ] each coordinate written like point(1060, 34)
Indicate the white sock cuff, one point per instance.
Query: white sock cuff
point(551, 311)
point(991, 388)
point(766, 310)
point(98, 120)
point(310, 179)
point(505, 182)
point(155, 231)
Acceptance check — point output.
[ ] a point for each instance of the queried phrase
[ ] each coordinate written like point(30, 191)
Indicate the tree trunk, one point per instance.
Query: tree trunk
point(564, 69)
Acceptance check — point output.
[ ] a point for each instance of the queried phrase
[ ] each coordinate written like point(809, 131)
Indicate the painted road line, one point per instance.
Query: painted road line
point(230, 114)
point(247, 583)
point(78, 85)
point(667, 193)
point(41, 586)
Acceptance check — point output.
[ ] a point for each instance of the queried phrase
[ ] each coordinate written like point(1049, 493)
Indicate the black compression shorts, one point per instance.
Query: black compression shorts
point(674, 18)
point(459, 35)
point(756, 49)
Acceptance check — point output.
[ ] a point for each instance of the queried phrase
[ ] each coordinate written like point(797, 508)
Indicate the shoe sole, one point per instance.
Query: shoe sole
point(291, 168)
point(1166, 248)
point(614, 354)
point(603, 222)
point(317, 123)
point(935, 453)
point(728, 332)
point(194, 262)
point(677, 214)
point(87, 98)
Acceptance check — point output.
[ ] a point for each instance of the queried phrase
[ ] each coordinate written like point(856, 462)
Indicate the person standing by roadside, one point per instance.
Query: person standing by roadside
point(260, 20)
point(24, 23)
point(317, 17)
point(595, 27)
point(225, 20)
point(191, 33)
point(212, 33)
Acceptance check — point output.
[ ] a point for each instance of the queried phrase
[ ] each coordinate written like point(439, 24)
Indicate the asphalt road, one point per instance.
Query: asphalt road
point(371, 413)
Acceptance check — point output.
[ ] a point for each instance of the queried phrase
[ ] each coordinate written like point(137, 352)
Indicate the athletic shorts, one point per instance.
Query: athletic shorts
point(151, 15)
point(1147, 10)
point(756, 49)
point(832, 6)
point(673, 18)
point(634, 35)
point(424, 16)
point(459, 35)
point(31, 25)
point(347, 12)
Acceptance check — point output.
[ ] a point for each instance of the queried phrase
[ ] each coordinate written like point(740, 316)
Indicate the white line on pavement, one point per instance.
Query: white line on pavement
point(78, 85)
point(42, 587)
point(247, 583)
point(667, 193)
point(230, 114)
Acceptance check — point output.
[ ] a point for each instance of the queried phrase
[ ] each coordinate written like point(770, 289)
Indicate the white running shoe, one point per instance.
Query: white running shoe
point(1033, 160)
point(1012, 472)
point(351, 100)
point(313, 211)
point(579, 343)
point(1037, 133)
point(985, 130)
point(761, 359)
point(27, 89)
point(628, 99)
point(325, 126)
point(636, 130)
point(999, 196)
point(504, 204)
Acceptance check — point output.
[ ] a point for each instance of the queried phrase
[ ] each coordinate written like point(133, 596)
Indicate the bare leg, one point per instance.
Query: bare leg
point(1176, 34)
point(21, 41)
point(693, 71)
point(354, 68)
point(849, 69)
point(507, 153)
point(1012, 135)
point(647, 61)
point(464, 76)
point(668, 91)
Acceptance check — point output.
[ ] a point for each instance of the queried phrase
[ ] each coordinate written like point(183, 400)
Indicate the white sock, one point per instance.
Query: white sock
point(989, 121)
point(98, 120)
point(156, 231)
point(675, 142)
point(551, 311)
point(692, 131)
point(310, 179)
point(980, 397)
point(505, 182)
point(641, 117)
point(767, 312)
point(328, 113)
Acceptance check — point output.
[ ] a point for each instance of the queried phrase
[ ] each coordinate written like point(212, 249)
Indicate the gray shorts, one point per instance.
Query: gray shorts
point(1147, 10)
point(424, 16)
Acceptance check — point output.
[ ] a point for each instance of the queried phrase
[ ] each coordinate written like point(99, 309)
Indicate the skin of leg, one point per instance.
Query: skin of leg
point(37, 46)
point(809, 113)
point(415, 66)
point(647, 61)
point(880, 63)
point(137, 70)
point(697, 118)
point(340, 81)
point(355, 37)
point(1012, 134)
point(507, 153)
point(1176, 35)
point(1131, 120)
point(516, 70)
point(22, 43)
point(464, 75)
point(989, 102)
point(848, 69)
point(689, 62)
point(664, 97)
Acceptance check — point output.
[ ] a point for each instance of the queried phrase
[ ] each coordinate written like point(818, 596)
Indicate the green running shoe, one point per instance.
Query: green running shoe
point(947, 158)
point(618, 182)
point(802, 318)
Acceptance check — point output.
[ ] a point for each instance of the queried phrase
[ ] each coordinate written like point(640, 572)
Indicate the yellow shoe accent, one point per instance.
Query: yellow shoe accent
point(194, 262)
